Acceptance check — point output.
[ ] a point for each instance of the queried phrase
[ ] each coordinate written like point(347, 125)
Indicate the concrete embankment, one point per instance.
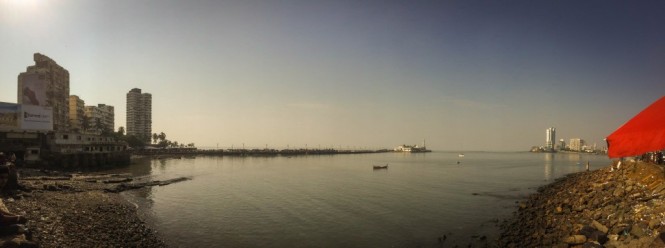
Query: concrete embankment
point(617, 206)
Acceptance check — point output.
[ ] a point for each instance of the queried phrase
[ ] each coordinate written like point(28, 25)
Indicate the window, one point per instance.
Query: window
point(65, 136)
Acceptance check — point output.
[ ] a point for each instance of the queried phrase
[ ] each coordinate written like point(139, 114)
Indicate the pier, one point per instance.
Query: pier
point(248, 152)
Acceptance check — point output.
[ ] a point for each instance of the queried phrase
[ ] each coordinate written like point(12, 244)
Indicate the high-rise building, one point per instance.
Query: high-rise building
point(139, 114)
point(576, 144)
point(550, 138)
point(101, 117)
point(76, 112)
point(46, 84)
point(562, 144)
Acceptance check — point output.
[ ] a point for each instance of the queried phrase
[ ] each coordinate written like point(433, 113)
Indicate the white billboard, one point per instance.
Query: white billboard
point(9, 113)
point(36, 118)
point(34, 90)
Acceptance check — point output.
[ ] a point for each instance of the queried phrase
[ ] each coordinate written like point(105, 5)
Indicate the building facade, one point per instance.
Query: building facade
point(46, 84)
point(550, 138)
point(576, 144)
point(76, 113)
point(101, 117)
point(139, 114)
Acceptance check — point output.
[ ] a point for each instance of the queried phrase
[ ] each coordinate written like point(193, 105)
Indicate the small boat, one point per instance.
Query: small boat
point(378, 167)
point(461, 155)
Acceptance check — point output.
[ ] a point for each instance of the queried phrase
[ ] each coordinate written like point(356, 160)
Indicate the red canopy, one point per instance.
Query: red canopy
point(643, 133)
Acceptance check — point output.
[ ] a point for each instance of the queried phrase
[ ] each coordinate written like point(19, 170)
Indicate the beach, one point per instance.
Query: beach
point(74, 210)
point(617, 206)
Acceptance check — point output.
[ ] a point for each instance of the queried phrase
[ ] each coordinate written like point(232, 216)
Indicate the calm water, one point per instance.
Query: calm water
point(339, 200)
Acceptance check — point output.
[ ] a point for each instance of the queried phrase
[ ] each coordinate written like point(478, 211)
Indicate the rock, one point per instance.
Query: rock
point(659, 241)
point(618, 192)
point(599, 227)
point(575, 239)
point(592, 245)
point(637, 231)
point(654, 223)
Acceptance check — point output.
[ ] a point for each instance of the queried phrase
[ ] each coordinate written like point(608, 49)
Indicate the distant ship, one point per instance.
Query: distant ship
point(413, 148)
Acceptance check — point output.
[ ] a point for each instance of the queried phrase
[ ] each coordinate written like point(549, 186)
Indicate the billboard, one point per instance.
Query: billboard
point(34, 90)
point(9, 113)
point(36, 118)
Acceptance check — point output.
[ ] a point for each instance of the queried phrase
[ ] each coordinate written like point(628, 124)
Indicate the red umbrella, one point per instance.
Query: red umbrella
point(643, 133)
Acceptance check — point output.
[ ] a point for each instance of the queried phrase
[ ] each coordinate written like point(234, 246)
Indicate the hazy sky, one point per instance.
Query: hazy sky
point(465, 75)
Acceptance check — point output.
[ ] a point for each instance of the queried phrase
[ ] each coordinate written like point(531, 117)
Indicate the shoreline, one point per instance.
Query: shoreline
point(76, 210)
point(616, 206)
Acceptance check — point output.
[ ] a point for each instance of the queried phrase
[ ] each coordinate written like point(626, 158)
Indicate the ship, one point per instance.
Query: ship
point(412, 148)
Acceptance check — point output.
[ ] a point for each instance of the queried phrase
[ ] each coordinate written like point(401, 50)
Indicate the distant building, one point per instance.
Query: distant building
point(562, 145)
point(576, 144)
point(46, 84)
point(413, 148)
point(76, 113)
point(101, 117)
point(550, 138)
point(139, 114)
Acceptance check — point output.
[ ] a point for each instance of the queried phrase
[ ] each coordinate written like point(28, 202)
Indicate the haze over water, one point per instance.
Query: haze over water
point(486, 74)
point(340, 201)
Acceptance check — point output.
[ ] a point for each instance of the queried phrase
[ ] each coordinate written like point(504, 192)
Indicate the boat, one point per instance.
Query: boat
point(412, 148)
point(378, 167)
point(461, 155)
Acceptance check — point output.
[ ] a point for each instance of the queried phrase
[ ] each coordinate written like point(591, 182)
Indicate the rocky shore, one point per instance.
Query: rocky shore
point(622, 205)
point(76, 210)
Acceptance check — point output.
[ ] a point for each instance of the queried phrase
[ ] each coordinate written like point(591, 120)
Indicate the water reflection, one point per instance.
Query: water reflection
point(141, 170)
point(548, 161)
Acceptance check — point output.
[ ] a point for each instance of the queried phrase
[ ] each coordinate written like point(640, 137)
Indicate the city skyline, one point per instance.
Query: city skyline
point(464, 76)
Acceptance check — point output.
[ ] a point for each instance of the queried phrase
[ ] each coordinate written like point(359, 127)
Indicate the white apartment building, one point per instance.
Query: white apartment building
point(139, 114)
point(576, 144)
point(101, 117)
point(550, 138)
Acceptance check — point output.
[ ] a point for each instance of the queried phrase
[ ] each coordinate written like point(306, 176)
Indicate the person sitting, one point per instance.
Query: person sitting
point(10, 223)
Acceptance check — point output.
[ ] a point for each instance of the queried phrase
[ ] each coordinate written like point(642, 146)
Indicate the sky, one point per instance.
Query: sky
point(464, 75)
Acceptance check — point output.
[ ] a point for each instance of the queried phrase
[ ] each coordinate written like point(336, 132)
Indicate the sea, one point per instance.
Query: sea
point(340, 200)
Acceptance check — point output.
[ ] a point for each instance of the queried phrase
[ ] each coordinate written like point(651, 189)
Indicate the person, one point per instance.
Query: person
point(11, 185)
point(12, 224)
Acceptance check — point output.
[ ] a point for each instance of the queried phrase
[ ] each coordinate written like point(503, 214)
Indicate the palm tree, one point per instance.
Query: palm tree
point(155, 137)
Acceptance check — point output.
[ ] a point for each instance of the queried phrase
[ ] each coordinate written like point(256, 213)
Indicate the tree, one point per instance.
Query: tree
point(121, 131)
point(162, 136)
point(154, 138)
point(133, 141)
